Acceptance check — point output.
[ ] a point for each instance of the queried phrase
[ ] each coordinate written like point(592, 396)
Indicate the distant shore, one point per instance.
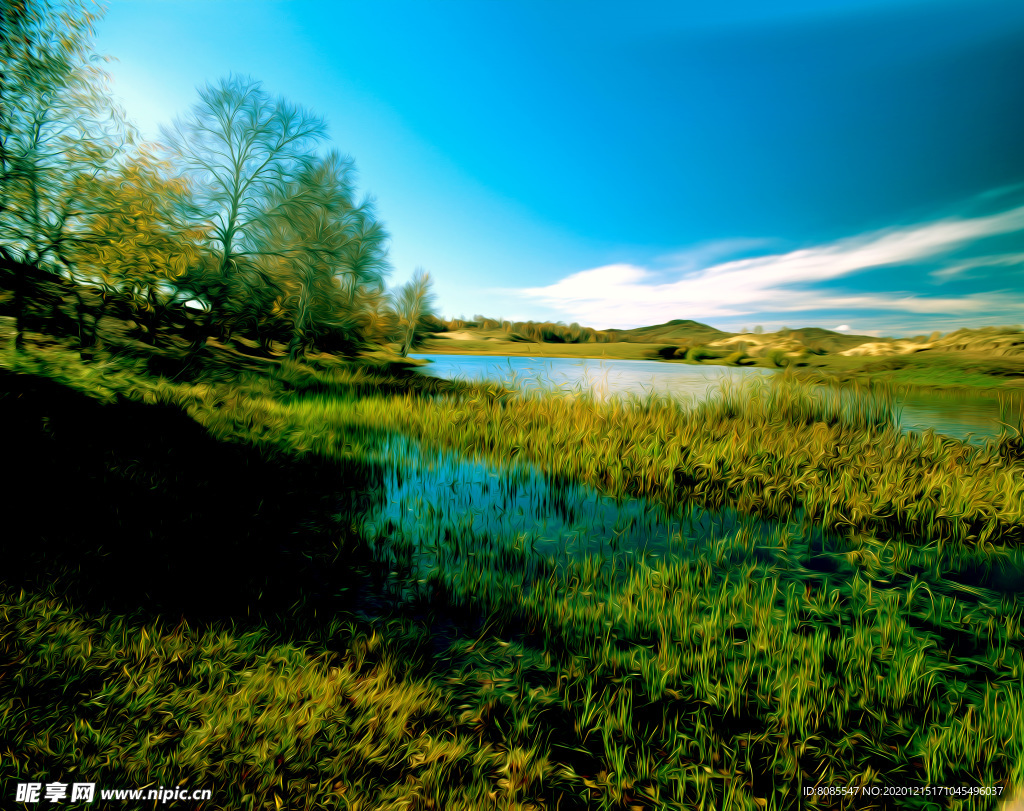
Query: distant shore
point(975, 371)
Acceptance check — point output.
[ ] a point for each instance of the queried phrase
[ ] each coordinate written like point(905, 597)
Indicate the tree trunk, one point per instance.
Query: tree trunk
point(83, 340)
point(20, 271)
point(19, 307)
point(153, 320)
point(96, 318)
point(199, 335)
point(297, 342)
point(298, 338)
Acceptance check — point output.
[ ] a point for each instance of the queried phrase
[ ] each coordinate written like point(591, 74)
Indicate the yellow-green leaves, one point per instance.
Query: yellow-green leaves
point(132, 238)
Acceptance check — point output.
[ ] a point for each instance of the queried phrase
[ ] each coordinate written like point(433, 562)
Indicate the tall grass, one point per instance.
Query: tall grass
point(768, 448)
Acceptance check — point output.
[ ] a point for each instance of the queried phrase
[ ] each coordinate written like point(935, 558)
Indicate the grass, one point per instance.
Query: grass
point(687, 686)
point(536, 349)
point(929, 370)
point(264, 723)
point(321, 669)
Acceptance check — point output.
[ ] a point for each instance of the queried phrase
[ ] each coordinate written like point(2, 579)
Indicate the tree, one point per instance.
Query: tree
point(414, 300)
point(325, 252)
point(242, 148)
point(57, 126)
point(132, 240)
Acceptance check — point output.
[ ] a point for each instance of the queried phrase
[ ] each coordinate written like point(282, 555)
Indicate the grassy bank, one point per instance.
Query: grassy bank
point(536, 349)
point(946, 370)
point(320, 673)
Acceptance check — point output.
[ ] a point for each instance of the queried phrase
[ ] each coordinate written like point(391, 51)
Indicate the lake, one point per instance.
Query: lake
point(972, 419)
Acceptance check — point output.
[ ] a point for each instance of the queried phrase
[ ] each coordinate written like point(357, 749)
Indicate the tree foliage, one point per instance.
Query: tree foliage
point(242, 148)
point(323, 251)
point(58, 126)
point(132, 240)
point(534, 331)
point(293, 252)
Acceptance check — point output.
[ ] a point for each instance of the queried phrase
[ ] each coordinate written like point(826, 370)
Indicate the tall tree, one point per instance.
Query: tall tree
point(414, 301)
point(326, 251)
point(242, 148)
point(57, 125)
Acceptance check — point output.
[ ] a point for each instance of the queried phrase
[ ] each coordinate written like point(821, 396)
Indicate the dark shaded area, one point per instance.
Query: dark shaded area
point(131, 507)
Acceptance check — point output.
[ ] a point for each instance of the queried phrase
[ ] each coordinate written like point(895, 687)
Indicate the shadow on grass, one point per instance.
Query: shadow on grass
point(136, 508)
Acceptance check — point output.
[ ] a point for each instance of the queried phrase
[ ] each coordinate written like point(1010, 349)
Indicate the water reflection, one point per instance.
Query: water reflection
point(443, 514)
point(973, 419)
point(603, 377)
point(446, 509)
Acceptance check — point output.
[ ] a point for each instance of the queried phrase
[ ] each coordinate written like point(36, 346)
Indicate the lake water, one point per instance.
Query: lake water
point(604, 377)
point(975, 419)
point(441, 512)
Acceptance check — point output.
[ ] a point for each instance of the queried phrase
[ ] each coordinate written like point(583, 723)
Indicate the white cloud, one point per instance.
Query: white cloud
point(963, 268)
point(841, 328)
point(626, 295)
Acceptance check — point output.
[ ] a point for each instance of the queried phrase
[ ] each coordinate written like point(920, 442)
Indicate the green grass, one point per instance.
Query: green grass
point(730, 678)
point(347, 722)
point(534, 349)
point(928, 370)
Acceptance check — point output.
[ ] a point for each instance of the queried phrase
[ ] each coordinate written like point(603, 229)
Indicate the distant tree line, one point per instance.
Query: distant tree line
point(239, 222)
point(533, 331)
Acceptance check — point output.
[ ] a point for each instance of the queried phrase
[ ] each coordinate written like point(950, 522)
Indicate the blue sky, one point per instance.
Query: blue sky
point(797, 163)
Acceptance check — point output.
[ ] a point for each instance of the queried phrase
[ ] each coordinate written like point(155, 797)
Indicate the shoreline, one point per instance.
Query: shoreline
point(820, 372)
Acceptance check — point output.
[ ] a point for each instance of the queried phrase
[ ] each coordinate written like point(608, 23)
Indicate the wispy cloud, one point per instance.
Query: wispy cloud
point(628, 295)
point(705, 253)
point(963, 268)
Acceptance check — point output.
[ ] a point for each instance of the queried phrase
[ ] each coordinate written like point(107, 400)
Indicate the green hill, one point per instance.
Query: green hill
point(678, 330)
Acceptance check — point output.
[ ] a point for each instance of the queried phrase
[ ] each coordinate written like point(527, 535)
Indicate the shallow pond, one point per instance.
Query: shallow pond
point(439, 513)
point(975, 419)
point(446, 509)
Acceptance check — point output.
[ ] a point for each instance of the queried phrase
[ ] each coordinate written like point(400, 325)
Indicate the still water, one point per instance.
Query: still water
point(603, 377)
point(440, 513)
point(442, 510)
point(975, 419)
